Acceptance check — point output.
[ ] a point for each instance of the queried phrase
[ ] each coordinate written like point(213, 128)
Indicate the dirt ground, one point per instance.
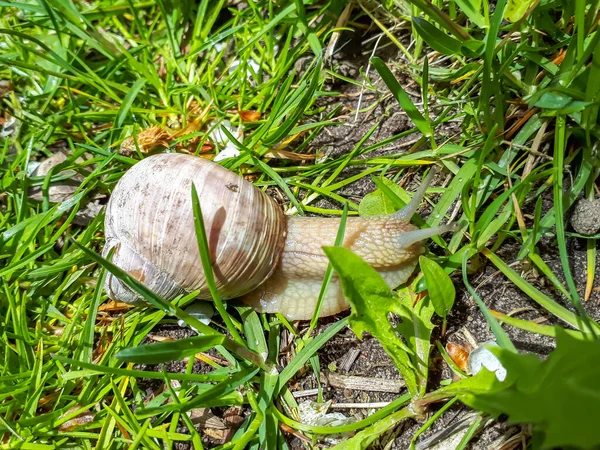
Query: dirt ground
point(497, 292)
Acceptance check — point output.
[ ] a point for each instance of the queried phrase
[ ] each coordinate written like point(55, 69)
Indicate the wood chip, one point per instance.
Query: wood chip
point(219, 435)
point(359, 405)
point(306, 393)
point(348, 359)
point(362, 383)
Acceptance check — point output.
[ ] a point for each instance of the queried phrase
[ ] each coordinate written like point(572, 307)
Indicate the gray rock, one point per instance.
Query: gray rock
point(57, 192)
point(63, 191)
point(586, 217)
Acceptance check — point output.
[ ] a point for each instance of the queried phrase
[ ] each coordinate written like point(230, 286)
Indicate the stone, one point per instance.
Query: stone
point(586, 217)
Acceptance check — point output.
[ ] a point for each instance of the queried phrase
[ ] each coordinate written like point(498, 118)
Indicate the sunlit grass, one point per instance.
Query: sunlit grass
point(87, 76)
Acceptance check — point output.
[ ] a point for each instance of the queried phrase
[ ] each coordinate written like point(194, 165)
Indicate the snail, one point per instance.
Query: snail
point(275, 263)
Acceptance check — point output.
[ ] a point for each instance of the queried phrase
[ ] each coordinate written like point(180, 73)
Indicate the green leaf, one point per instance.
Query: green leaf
point(558, 103)
point(472, 48)
point(372, 301)
point(516, 9)
point(405, 102)
point(439, 285)
point(417, 332)
point(169, 351)
point(484, 382)
point(435, 38)
point(552, 100)
point(559, 396)
point(378, 202)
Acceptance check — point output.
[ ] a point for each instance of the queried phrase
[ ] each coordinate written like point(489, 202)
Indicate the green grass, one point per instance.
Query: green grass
point(87, 76)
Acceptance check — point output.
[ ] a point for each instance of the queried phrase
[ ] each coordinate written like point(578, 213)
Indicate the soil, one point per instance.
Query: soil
point(496, 291)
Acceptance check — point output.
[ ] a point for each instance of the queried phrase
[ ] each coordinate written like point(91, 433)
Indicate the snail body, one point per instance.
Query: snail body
point(275, 263)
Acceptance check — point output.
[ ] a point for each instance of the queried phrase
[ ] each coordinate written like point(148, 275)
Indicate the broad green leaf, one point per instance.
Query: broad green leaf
point(484, 382)
point(516, 9)
point(169, 351)
point(472, 48)
point(439, 285)
point(372, 301)
point(559, 396)
point(417, 332)
point(552, 100)
point(377, 202)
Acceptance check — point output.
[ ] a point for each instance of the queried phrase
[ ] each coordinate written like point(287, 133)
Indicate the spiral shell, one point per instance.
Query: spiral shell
point(150, 224)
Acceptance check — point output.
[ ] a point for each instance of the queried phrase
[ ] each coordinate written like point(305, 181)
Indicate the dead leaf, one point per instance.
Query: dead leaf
point(148, 140)
point(458, 354)
point(112, 306)
point(190, 146)
point(284, 154)
point(249, 116)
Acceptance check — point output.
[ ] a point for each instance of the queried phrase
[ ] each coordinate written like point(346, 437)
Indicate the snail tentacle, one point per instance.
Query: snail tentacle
point(409, 238)
point(409, 210)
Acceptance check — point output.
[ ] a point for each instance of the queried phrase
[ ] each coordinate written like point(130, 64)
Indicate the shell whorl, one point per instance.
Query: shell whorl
point(149, 219)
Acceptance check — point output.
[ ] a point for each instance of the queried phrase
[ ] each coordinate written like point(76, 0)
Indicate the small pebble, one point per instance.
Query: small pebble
point(586, 217)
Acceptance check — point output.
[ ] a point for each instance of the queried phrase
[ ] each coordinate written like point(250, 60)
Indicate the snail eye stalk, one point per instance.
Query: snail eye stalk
point(407, 212)
point(409, 238)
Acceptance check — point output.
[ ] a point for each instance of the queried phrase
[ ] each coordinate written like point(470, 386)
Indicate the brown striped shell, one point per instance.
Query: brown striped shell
point(149, 222)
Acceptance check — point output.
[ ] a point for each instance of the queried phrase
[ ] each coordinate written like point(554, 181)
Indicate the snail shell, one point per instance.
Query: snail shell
point(150, 223)
point(276, 261)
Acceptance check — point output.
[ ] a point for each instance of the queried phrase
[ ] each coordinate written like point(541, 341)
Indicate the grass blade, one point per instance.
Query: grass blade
point(403, 99)
point(207, 266)
point(501, 336)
